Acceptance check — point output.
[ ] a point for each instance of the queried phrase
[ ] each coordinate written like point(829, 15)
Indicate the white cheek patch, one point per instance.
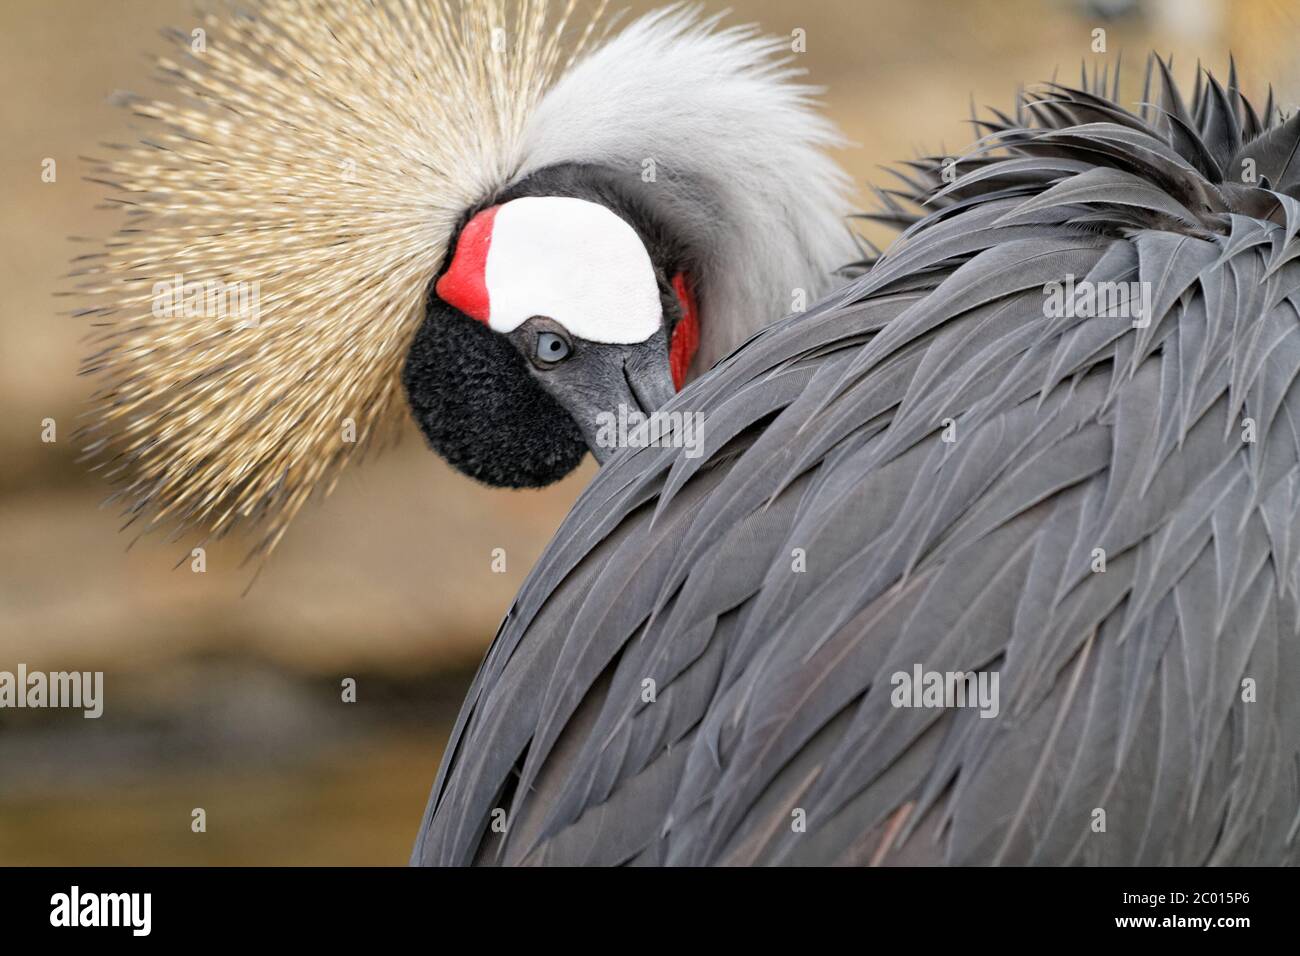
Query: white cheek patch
point(575, 262)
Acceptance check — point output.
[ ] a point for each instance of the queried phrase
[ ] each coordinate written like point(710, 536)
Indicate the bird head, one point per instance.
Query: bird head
point(559, 303)
point(506, 220)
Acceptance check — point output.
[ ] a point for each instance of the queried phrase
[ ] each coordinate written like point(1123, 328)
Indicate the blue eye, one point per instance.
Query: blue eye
point(552, 347)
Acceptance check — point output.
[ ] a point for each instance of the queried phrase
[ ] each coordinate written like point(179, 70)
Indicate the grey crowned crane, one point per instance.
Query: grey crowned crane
point(1052, 436)
point(959, 464)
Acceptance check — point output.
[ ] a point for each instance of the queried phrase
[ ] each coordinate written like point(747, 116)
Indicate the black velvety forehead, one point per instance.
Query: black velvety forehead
point(480, 408)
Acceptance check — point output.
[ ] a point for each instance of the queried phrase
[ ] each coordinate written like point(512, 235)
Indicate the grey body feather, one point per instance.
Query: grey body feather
point(1123, 691)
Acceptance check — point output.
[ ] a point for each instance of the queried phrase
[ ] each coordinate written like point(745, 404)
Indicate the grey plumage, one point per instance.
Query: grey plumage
point(1120, 691)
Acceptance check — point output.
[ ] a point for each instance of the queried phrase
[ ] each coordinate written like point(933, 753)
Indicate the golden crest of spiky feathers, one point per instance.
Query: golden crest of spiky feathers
point(317, 155)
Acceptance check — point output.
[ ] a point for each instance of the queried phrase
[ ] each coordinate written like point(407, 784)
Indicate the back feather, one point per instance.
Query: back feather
point(1162, 687)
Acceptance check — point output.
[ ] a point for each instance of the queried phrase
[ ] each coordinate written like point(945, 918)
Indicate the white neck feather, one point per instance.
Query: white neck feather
point(736, 150)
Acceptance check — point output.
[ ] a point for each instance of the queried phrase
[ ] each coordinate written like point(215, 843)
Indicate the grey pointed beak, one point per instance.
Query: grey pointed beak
point(604, 384)
point(639, 381)
point(649, 375)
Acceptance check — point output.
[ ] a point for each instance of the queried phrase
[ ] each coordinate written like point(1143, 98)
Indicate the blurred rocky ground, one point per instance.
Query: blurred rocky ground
point(230, 701)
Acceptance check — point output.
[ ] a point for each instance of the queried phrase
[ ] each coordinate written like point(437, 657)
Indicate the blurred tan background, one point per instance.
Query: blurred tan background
point(232, 703)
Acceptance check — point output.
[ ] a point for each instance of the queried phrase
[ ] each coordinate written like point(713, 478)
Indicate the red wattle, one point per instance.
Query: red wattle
point(464, 284)
point(686, 336)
